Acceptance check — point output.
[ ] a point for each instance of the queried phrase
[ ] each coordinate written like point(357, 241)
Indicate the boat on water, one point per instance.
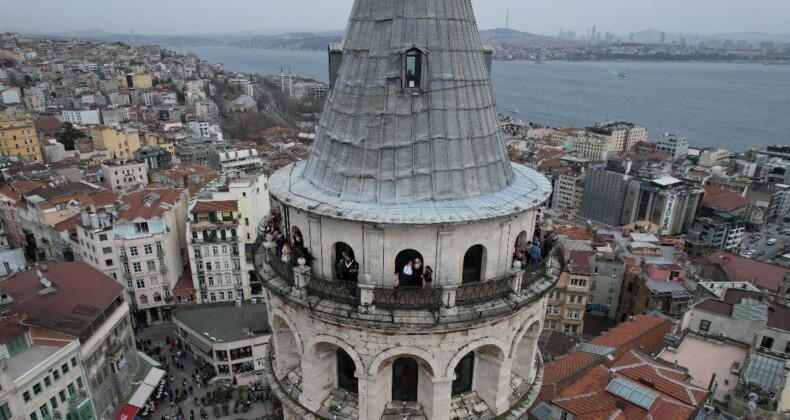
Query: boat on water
point(623, 74)
point(515, 111)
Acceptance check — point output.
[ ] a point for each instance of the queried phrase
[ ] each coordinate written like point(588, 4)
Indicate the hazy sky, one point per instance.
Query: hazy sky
point(537, 16)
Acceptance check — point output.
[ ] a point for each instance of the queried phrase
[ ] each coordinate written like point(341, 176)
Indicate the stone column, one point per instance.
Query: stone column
point(440, 403)
point(448, 300)
point(318, 379)
point(301, 279)
point(367, 295)
point(371, 402)
point(493, 382)
point(518, 274)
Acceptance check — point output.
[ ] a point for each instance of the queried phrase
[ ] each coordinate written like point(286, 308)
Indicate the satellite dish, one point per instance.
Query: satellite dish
point(45, 282)
point(39, 273)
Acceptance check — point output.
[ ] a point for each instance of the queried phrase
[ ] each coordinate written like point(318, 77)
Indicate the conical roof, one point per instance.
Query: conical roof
point(380, 140)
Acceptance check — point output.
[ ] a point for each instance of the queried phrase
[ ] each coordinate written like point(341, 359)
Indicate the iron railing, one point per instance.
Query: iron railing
point(335, 290)
point(484, 291)
point(411, 297)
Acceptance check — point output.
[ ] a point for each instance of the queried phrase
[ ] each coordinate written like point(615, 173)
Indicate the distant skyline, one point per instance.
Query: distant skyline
point(186, 17)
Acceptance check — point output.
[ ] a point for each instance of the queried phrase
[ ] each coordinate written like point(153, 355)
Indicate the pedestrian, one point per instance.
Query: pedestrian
point(427, 276)
point(190, 390)
point(534, 254)
point(408, 272)
point(340, 266)
point(417, 268)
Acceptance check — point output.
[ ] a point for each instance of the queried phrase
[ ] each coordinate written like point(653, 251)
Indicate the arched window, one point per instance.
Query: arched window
point(341, 250)
point(401, 260)
point(464, 371)
point(473, 264)
point(404, 379)
point(346, 372)
point(413, 68)
point(143, 299)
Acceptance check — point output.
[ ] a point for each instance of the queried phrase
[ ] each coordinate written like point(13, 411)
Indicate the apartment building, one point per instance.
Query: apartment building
point(665, 201)
point(149, 234)
point(567, 302)
point(120, 142)
point(124, 175)
point(568, 191)
point(603, 140)
point(676, 146)
point(18, 137)
point(216, 241)
point(82, 117)
point(10, 196)
point(68, 345)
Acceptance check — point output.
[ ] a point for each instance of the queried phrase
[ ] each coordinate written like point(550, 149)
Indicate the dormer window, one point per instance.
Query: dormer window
point(413, 68)
point(414, 59)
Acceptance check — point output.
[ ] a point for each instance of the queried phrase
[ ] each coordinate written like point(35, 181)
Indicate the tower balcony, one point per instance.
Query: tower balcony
point(427, 305)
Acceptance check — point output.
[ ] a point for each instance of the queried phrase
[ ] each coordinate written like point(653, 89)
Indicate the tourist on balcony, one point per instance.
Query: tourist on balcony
point(427, 277)
point(340, 267)
point(286, 258)
point(407, 274)
point(298, 241)
point(534, 254)
point(417, 268)
point(353, 270)
point(522, 258)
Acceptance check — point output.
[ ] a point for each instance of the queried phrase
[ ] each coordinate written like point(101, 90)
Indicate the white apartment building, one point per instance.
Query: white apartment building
point(674, 145)
point(251, 191)
point(97, 242)
point(82, 117)
point(237, 161)
point(568, 192)
point(216, 241)
point(148, 237)
point(603, 140)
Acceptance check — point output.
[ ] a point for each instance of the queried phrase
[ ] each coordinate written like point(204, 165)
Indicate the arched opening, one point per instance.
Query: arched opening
point(342, 252)
point(473, 264)
point(525, 350)
point(285, 347)
point(409, 276)
point(405, 375)
point(346, 372)
point(297, 240)
point(413, 68)
point(522, 242)
point(464, 373)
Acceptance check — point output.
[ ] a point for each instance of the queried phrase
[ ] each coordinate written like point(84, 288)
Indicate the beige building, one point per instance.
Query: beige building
point(567, 302)
point(18, 137)
point(600, 142)
point(135, 81)
point(120, 142)
point(713, 157)
point(125, 174)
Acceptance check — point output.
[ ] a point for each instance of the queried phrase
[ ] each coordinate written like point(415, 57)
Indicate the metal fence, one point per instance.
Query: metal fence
point(412, 297)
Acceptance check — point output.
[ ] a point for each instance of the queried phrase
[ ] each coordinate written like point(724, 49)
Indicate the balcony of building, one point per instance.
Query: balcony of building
point(365, 300)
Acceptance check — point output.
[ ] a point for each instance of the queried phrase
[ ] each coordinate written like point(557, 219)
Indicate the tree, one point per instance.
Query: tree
point(68, 135)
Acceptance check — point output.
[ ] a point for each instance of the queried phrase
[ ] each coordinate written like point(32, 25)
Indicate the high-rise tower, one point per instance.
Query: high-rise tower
point(409, 170)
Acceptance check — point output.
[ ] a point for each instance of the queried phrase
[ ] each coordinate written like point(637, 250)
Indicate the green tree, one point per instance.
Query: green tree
point(68, 136)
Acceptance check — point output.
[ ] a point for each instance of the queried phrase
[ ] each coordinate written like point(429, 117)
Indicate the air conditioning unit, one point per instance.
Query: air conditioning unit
point(254, 301)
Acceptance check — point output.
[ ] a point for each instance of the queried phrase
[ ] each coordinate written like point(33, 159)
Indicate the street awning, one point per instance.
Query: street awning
point(149, 360)
point(154, 376)
point(128, 412)
point(140, 396)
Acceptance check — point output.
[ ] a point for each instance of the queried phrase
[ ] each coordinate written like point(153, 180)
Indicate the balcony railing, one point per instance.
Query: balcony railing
point(412, 298)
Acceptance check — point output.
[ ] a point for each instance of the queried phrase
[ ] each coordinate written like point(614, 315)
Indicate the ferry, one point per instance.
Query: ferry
point(515, 111)
point(623, 74)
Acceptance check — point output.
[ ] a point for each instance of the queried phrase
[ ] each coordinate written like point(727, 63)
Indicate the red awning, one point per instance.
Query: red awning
point(128, 412)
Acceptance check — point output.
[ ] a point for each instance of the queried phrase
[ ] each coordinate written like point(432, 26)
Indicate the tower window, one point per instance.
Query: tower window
point(413, 68)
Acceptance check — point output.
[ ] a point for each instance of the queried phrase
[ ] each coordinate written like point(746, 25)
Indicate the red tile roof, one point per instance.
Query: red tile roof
point(737, 268)
point(83, 293)
point(149, 204)
point(17, 188)
point(579, 262)
point(644, 333)
point(10, 329)
point(719, 198)
point(661, 377)
point(212, 206)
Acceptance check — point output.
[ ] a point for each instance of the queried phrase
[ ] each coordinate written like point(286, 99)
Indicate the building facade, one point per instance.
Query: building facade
point(120, 142)
point(604, 196)
point(674, 145)
point(216, 251)
point(18, 137)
